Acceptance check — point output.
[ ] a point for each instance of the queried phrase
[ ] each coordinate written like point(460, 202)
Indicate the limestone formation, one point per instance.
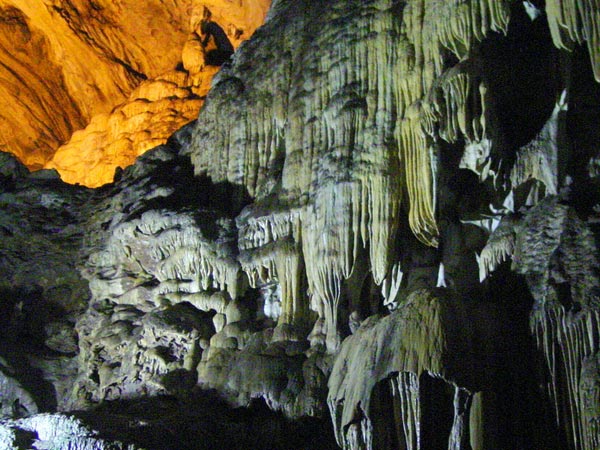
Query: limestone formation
point(66, 66)
point(153, 111)
point(54, 431)
point(359, 146)
point(427, 336)
point(383, 223)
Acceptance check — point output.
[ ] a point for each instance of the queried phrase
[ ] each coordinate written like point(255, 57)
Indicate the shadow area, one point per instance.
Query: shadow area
point(204, 421)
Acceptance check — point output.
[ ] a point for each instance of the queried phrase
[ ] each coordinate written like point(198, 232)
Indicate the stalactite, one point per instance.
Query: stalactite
point(589, 398)
point(456, 91)
point(405, 390)
point(294, 308)
point(259, 265)
point(390, 286)
point(459, 436)
point(576, 21)
point(418, 178)
point(499, 248)
point(538, 160)
point(568, 340)
point(330, 235)
point(347, 132)
point(209, 270)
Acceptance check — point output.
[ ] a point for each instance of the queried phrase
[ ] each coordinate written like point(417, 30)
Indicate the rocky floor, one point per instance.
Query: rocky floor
point(201, 421)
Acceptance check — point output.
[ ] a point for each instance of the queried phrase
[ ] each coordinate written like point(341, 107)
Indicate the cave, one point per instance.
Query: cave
point(373, 226)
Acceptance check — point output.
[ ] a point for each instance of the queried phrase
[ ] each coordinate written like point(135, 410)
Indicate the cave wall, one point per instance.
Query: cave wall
point(385, 216)
point(89, 86)
point(371, 125)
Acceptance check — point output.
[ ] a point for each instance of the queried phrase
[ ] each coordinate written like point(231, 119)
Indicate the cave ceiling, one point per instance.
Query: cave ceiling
point(87, 86)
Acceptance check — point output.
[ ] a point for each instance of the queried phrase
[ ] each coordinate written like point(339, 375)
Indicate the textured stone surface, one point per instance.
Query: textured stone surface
point(67, 64)
point(366, 127)
point(385, 217)
point(153, 111)
point(448, 338)
point(42, 291)
point(46, 431)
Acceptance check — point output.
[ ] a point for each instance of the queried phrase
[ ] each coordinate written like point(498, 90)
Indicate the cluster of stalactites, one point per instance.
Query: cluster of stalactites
point(346, 125)
point(570, 346)
point(499, 248)
point(420, 337)
point(575, 22)
point(455, 25)
point(256, 232)
point(167, 248)
point(382, 346)
point(279, 261)
point(270, 252)
point(429, 95)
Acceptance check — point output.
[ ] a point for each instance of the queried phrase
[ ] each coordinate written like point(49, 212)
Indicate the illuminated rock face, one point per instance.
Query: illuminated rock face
point(386, 216)
point(369, 119)
point(154, 111)
point(67, 65)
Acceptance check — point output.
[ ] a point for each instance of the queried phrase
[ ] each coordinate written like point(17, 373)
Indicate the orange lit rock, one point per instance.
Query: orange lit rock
point(152, 113)
point(70, 64)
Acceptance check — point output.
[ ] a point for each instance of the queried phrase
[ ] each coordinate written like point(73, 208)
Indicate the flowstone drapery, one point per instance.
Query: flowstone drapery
point(349, 125)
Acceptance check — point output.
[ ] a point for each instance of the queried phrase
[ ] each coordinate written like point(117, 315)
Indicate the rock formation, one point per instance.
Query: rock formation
point(384, 219)
point(153, 111)
point(102, 82)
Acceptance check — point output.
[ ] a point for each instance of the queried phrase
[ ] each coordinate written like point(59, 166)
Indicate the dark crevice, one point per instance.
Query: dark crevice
point(521, 72)
point(202, 421)
point(437, 412)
